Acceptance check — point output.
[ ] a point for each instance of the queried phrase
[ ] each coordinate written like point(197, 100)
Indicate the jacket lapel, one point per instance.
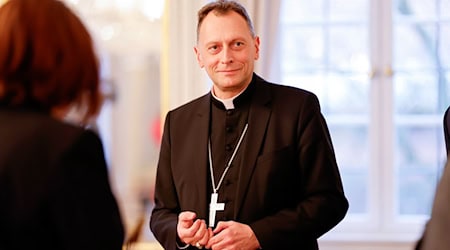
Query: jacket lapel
point(257, 124)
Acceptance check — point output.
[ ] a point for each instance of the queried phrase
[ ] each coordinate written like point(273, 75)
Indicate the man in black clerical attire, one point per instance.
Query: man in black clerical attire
point(249, 165)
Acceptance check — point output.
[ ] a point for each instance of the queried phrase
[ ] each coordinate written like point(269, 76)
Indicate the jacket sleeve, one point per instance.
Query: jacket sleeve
point(163, 221)
point(316, 186)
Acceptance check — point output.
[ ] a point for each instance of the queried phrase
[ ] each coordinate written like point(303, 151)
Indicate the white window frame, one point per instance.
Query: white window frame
point(380, 224)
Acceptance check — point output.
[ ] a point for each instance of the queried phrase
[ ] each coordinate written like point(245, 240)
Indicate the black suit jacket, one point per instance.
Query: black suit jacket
point(290, 190)
point(54, 187)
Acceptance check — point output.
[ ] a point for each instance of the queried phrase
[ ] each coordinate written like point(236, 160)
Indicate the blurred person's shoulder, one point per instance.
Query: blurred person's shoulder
point(26, 129)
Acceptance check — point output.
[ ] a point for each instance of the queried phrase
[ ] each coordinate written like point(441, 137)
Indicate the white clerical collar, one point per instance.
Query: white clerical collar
point(228, 103)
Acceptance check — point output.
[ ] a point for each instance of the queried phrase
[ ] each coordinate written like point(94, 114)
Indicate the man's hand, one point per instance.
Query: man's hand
point(233, 235)
point(191, 230)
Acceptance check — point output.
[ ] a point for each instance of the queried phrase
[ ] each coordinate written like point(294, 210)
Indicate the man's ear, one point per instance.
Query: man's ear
point(257, 47)
point(198, 57)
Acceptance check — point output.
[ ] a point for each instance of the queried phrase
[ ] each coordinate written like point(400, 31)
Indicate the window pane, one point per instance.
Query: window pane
point(338, 93)
point(347, 10)
point(419, 158)
point(444, 46)
point(302, 11)
point(418, 9)
point(351, 146)
point(446, 92)
point(420, 97)
point(414, 46)
point(444, 9)
point(416, 93)
point(349, 54)
point(314, 82)
point(347, 94)
point(302, 49)
point(325, 49)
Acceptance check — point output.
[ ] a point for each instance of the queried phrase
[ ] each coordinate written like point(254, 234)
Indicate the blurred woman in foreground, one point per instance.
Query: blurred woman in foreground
point(54, 186)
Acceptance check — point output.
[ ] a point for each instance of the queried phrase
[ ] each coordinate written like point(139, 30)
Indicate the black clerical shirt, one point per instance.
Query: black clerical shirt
point(226, 126)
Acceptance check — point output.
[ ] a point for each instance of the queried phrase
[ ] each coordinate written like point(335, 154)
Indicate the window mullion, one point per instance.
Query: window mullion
point(380, 115)
point(385, 104)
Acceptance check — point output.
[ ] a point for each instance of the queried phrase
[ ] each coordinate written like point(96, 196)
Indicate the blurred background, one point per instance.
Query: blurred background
point(380, 68)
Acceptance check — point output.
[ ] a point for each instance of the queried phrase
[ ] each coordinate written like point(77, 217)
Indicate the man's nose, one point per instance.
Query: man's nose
point(227, 56)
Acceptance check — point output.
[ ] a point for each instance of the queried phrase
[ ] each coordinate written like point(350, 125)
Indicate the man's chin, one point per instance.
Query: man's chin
point(229, 80)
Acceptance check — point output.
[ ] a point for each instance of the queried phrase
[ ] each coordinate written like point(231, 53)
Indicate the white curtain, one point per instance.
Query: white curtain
point(182, 78)
point(265, 16)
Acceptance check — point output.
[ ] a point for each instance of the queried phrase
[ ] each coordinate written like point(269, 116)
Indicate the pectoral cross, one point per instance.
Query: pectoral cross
point(213, 208)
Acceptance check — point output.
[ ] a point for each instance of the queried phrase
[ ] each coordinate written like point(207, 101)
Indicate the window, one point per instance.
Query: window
point(380, 70)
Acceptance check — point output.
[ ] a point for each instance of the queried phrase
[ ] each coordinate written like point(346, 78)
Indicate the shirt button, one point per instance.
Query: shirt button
point(229, 112)
point(228, 147)
point(229, 129)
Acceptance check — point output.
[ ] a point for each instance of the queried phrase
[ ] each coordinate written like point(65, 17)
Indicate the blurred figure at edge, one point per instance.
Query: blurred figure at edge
point(54, 186)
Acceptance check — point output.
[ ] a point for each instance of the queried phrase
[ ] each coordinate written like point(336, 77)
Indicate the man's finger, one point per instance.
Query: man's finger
point(186, 219)
point(221, 226)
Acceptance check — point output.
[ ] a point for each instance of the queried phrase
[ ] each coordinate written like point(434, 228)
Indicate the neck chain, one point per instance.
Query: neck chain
point(215, 189)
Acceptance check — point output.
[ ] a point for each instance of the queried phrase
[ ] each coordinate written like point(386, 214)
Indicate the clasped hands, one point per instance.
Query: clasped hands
point(226, 235)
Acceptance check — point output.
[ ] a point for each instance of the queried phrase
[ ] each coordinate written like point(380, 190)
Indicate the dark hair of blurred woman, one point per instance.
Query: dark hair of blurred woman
point(47, 63)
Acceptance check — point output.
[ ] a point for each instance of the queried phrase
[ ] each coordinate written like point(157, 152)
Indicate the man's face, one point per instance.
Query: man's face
point(228, 51)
